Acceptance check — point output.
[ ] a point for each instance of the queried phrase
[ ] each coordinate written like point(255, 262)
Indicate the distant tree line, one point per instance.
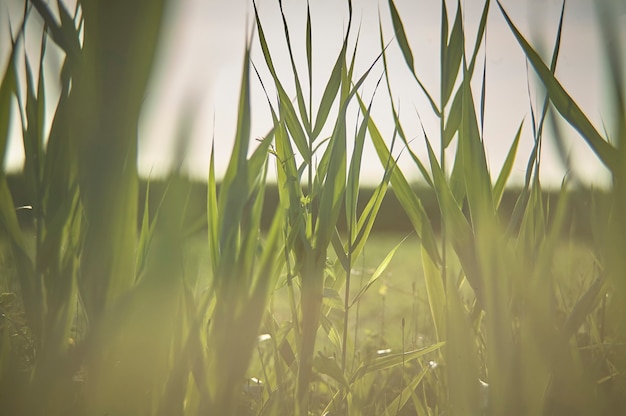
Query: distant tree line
point(391, 217)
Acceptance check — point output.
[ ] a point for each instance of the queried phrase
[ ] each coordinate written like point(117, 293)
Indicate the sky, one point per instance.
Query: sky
point(200, 62)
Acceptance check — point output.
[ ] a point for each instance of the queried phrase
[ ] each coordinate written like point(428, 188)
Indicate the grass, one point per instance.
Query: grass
point(495, 314)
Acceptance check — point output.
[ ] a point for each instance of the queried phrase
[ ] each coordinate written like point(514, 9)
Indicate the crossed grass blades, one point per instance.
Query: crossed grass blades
point(99, 320)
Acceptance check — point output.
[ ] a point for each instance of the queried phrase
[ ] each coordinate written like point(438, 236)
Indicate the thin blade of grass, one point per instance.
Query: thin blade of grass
point(334, 187)
point(330, 92)
point(352, 187)
point(477, 178)
point(392, 360)
point(564, 103)
point(398, 125)
point(406, 196)
point(482, 26)
point(498, 189)
point(366, 220)
point(443, 42)
point(213, 215)
point(299, 95)
point(452, 57)
point(61, 34)
point(288, 113)
point(377, 273)
point(7, 91)
point(461, 357)
point(454, 118)
point(436, 293)
point(234, 190)
point(461, 235)
point(309, 51)
point(400, 34)
point(398, 27)
point(398, 403)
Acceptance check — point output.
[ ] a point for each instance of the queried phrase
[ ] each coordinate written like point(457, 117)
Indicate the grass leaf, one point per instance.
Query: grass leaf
point(564, 103)
point(453, 53)
point(398, 28)
point(498, 188)
point(392, 360)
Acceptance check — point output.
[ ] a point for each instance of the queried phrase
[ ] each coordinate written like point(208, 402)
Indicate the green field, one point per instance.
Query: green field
point(119, 298)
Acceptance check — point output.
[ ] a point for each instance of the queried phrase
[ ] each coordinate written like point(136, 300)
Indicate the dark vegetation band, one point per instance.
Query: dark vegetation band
point(391, 218)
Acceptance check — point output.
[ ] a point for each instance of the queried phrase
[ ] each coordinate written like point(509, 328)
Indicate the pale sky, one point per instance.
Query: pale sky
point(200, 61)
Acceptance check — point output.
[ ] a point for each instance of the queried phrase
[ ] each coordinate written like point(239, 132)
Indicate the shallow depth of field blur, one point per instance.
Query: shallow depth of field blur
point(291, 279)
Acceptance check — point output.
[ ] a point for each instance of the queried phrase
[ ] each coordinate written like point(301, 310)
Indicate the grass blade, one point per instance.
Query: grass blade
point(299, 95)
point(330, 92)
point(377, 273)
point(498, 189)
point(406, 196)
point(393, 360)
point(406, 50)
point(452, 57)
point(565, 104)
point(401, 36)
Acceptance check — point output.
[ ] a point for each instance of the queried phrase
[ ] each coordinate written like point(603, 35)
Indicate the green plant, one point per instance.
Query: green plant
point(107, 310)
point(510, 330)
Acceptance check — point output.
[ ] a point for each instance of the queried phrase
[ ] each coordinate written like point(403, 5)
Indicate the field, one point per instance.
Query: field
point(118, 299)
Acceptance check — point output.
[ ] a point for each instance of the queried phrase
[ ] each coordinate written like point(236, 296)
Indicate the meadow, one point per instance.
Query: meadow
point(117, 302)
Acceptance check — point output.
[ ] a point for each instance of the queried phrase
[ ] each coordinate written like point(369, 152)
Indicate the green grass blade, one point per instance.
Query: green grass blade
point(235, 190)
point(299, 95)
point(436, 293)
point(461, 234)
point(416, 160)
point(452, 57)
point(33, 143)
point(330, 92)
point(377, 273)
point(145, 234)
point(406, 51)
point(107, 94)
point(333, 190)
point(396, 118)
point(7, 90)
point(482, 25)
point(258, 158)
point(461, 357)
point(352, 188)
point(454, 118)
point(443, 42)
point(288, 113)
point(498, 189)
point(251, 226)
point(341, 79)
point(332, 193)
point(213, 215)
point(555, 56)
point(398, 403)
point(398, 27)
point(309, 51)
point(393, 360)
point(564, 103)
point(584, 307)
point(368, 216)
point(406, 196)
point(62, 35)
point(477, 178)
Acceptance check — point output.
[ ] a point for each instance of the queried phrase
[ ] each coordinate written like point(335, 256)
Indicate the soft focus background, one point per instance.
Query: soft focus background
point(197, 76)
